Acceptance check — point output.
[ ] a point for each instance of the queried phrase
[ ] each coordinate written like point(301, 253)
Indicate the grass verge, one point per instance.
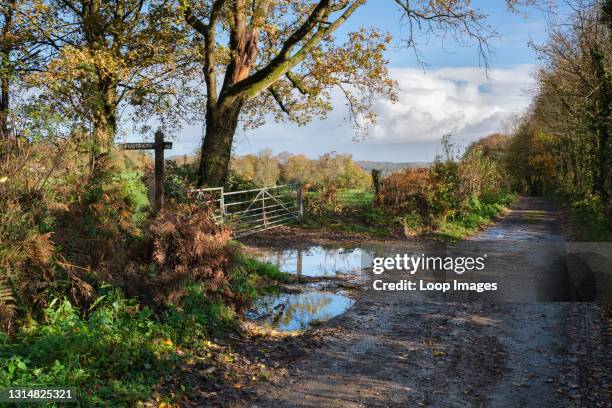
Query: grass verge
point(120, 353)
point(473, 217)
point(363, 220)
point(374, 222)
point(586, 216)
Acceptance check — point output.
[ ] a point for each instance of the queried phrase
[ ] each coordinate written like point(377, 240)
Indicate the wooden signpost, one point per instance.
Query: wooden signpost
point(159, 146)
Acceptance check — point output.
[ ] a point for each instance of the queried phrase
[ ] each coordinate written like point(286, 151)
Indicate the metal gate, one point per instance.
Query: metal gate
point(251, 211)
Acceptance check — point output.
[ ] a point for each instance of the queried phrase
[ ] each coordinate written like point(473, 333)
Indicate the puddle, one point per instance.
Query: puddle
point(318, 261)
point(296, 311)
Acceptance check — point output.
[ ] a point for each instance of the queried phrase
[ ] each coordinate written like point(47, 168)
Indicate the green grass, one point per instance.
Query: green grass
point(111, 354)
point(473, 217)
point(351, 213)
point(369, 221)
point(374, 222)
point(117, 351)
point(355, 197)
point(350, 197)
point(263, 269)
point(586, 216)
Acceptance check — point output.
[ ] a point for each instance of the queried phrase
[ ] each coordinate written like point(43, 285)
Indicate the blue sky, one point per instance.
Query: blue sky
point(450, 93)
point(510, 49)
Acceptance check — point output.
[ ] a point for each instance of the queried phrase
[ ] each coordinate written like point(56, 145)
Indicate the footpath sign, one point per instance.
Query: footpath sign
point(159, 146)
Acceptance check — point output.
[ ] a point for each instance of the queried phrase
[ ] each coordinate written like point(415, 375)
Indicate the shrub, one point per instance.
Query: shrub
point(179, 180)
point(466, 192)
point(587, 214)
point(26, 249)
point(478, 175)
point(238, 182)
point(116, 204)
point(187, 246)
point(445, 198)
point(199, 316)
point(323, 201)
point(407, 190)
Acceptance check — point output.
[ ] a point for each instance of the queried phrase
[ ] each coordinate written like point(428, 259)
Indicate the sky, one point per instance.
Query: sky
point(449, 92)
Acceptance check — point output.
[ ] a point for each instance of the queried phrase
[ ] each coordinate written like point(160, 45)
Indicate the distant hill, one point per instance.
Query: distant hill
point(367, 165)
point(389, 167)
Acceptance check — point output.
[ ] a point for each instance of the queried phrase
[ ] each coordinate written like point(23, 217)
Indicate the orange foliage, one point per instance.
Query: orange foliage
point(405, 190)
point(187, 246)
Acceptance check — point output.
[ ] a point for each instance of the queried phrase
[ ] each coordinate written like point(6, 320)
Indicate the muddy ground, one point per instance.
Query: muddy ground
point(388, 351)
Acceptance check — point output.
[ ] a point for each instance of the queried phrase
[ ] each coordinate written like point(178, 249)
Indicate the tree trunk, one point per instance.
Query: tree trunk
point(4, 99)
point(104, 126)
point(221, 124)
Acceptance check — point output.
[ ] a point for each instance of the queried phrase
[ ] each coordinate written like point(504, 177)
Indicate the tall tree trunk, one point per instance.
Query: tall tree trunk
point(221, 124)
point(4, 97)
point(104, 124)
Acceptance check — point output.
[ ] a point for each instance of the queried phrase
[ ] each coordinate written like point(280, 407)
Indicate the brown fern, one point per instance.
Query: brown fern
point(7, 306)
point(187, 246)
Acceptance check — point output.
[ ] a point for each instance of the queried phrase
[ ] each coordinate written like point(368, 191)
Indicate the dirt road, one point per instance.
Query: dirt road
point(388, 350)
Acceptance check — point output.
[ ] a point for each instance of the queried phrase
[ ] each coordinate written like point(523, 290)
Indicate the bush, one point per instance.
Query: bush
point(26, 224)
point(115, 353)
point(445, 196)
point(179, 180)
point(237, 182)
point(408, 191)
point(116, 204)
point(323, 201)
point(199, 315)
point(478, 175)
point(187, 246)
point(587, 214)
point(462, 193)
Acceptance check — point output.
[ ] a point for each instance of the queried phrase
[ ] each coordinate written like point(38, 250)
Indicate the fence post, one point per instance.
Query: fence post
point(222, 205)
point(300, 201)
point(263, 207)
point(376, 182)
point(159, 170)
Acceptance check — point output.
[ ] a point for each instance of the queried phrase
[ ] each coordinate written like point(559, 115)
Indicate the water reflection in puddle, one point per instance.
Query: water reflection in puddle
point(318, 261)
point(295, 311)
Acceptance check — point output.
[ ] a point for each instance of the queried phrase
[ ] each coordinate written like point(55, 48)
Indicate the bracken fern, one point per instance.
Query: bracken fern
point(7, 306)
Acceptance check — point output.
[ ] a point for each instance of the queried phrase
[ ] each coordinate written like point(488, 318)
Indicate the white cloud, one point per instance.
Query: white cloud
point(463, 101)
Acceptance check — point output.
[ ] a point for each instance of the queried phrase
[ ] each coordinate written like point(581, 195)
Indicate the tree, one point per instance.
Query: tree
point(492, 146)
point(262, 169)
point(573, 109)
point(244, 166)
point(113, 54)
point(267, 169)
point(281, 57)
point(299, 167)
point(22, 48)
